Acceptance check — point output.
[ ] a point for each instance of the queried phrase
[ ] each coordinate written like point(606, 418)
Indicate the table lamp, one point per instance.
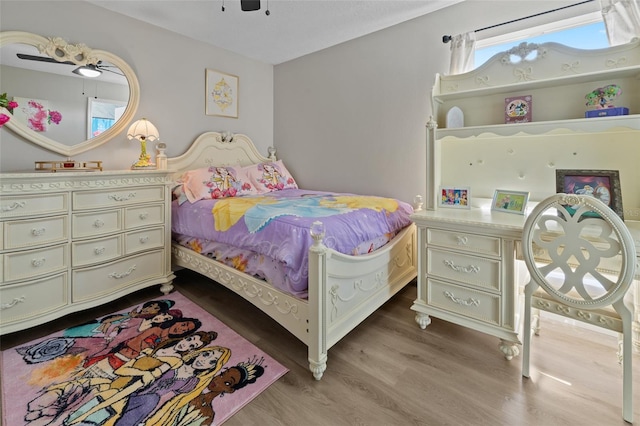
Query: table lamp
point(143, 131)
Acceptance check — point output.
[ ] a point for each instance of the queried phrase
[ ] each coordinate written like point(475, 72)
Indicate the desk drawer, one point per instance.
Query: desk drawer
point(96, 250)
point(33, 299)
point(33, 205)
point(35, 232)
point(152, 214)
point(462, 241)
point(96, 223)
point(477, 271)
point(93, 282)
point(144, 239)
point(34, 263)
point(464, 301)
point(117, 197)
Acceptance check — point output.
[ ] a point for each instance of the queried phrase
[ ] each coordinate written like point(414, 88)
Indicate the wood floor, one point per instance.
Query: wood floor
point(390, 372)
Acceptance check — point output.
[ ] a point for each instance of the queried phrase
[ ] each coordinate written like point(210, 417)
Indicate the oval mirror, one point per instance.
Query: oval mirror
point(71, 98)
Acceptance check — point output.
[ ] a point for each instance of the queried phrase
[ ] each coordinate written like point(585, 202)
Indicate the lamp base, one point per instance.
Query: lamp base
point(144, 162)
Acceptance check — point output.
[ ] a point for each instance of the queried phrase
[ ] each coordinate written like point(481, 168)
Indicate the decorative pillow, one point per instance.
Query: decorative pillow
point(216, 182)
point(268, 177)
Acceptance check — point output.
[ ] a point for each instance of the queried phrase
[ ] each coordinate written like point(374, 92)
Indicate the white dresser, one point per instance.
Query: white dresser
point(74, 240)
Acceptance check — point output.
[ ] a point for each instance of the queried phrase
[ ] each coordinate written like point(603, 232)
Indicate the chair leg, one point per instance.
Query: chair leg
point(627, 374)
point(535, 322)
point(526, 345)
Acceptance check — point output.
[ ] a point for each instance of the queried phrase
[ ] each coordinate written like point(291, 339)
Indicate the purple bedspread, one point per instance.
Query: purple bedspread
point(276, 225)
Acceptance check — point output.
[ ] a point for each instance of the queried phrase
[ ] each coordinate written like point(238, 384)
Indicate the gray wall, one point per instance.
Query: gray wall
point(171, 72)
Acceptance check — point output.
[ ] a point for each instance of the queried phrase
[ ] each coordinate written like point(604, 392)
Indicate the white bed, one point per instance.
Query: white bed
point(343, 290)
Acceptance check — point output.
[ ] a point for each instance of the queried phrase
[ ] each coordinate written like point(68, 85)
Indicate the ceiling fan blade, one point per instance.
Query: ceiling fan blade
point(42, 59)
point(106, 68)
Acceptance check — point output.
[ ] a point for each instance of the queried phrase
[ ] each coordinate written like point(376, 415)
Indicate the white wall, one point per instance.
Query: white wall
point(170, 69)
point(352, 117)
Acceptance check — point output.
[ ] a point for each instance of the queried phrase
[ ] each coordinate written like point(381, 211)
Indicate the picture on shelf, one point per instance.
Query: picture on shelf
point(509, 201)
point(518, 109)
point(455, 197)
point(601, 184)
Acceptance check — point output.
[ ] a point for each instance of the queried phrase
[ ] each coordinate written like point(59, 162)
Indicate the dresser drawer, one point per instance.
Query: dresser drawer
point(462, 241)
point(145, 239)
point(117, 197)
point(152, 214)
point(96, 250)
point(477, 271)
point(93, 282)
point(35, 232)
point(33, 299)
point(34, 263)
point(33, 205)
point(96, 223)
point(467, 302)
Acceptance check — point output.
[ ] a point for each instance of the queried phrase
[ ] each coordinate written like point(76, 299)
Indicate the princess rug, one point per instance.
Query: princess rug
point(165, 362)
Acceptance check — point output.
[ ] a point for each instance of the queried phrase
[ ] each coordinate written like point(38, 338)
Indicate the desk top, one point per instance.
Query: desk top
point(484, 220)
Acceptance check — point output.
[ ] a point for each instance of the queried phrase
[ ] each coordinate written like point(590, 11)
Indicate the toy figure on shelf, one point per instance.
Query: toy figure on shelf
point(603, 97)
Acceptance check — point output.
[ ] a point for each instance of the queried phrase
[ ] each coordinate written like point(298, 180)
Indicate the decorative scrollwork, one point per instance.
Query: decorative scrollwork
point(14, 302)
point(471, 269)
point(125, 274)
point(468, 302)
point(13, 206)
point(117, 197)
point(61, 51)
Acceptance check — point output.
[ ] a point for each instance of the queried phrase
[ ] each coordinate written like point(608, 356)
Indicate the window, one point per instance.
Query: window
point(587, 32)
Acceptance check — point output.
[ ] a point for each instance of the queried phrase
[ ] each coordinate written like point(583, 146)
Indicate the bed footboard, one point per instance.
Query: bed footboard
point(344, 290)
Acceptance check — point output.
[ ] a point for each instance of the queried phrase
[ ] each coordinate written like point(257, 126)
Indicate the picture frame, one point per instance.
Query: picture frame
point(601, 184)
point(221, 93)
point(510, 201)
point(518, 109)
point(455, 197)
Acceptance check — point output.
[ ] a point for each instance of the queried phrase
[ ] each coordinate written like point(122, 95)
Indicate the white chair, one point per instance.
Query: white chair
point(567, 241)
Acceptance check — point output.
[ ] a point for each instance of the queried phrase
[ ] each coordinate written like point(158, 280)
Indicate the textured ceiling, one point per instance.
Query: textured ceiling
point(292, 29)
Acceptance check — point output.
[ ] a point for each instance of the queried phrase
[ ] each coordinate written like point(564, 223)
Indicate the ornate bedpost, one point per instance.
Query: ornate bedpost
point(433, 166)
point(272, 153)
point(317, 302)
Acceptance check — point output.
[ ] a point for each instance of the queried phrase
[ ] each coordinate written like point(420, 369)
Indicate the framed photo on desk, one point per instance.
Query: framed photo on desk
point(601, 184)
point(509, 201)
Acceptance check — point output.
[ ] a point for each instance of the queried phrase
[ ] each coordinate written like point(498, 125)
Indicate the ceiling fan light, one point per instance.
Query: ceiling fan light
point(87, 71)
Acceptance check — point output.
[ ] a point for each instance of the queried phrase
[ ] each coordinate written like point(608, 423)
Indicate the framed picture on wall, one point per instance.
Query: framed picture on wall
point(455, 197)
point(601, 184)
point(221, 94)
point(509, 201)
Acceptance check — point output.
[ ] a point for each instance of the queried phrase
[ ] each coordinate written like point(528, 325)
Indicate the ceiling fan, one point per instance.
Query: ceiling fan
point(89, 70)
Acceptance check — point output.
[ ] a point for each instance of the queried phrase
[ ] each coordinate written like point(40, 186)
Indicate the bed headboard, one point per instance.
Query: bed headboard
point(216, 149)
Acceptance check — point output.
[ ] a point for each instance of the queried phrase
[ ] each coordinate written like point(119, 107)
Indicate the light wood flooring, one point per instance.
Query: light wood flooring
point(390, 372)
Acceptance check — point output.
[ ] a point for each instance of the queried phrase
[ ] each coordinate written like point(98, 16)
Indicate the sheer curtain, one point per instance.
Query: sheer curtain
point(621, 19)
point(462, 53)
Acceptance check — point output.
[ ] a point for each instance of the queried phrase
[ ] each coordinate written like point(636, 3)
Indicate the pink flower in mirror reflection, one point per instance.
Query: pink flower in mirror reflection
point(3, 119)
point(55, 117)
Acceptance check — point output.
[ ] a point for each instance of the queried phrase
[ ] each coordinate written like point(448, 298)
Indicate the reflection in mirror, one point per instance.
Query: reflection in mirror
point(59, 108)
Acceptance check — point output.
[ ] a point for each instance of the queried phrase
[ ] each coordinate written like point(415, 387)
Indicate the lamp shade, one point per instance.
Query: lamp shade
point(143, 130)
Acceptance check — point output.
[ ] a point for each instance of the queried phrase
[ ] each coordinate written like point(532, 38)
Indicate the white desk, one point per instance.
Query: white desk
point(467, 273)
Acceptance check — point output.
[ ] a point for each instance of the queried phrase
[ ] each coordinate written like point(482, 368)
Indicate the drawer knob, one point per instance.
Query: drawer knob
point(462, 240)
point(118, 197)
point(144, 239)
point(469, 302)
point(471, 269)
point(99, 223)
point(118, 275)
point(144, 216)
point(14, 302)
point(13, 206)
point(38, 262)
point(98, 250)
point(37, 232)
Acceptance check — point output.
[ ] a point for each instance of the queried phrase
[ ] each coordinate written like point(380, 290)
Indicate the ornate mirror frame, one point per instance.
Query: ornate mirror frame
point(79, 54)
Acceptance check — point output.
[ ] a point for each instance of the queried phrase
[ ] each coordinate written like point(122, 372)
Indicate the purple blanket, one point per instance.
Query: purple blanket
point(276, 225)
